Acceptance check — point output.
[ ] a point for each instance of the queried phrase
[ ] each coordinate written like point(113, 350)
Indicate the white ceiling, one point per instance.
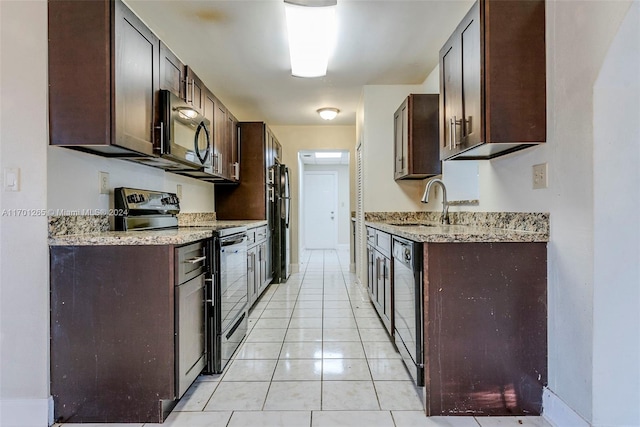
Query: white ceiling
point(239, 49)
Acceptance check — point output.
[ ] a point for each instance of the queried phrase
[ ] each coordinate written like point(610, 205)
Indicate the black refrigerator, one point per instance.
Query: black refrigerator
point(280, 206)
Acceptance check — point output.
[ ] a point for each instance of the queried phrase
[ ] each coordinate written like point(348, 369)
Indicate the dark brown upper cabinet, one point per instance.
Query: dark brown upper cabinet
point(250, 198)
point(416, 138)
point(172, 72)
point(493, 81)
point(233, 147)
point(103, 78)
point(194, 90)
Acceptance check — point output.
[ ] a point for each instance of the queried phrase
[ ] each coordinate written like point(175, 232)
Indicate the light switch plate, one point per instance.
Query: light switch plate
point(11, 179)
point(104, 182)
point(540, 176)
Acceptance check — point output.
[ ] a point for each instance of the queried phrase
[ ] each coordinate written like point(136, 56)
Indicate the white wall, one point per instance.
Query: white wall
point(24, 266)
point(616, 177)
point(343, 215)
point(73, 182)
point(298, 138)
point(381, 192)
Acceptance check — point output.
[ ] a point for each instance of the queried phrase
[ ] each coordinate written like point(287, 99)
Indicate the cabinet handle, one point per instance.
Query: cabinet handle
point(271, 194)
point(271, 173)
point(161, 128)
point(195, 260)
point(236, 171)
point(187, 95)
point(454, 133)
point(378, 268)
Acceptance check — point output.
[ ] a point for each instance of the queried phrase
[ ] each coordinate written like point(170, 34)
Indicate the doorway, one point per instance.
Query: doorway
point(324, 200)
point(320, 209)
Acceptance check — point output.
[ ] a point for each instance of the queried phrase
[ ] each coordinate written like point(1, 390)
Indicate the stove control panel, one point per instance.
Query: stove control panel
point(134, 204)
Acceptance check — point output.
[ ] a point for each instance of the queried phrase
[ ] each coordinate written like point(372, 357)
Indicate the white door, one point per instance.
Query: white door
point(320, 209)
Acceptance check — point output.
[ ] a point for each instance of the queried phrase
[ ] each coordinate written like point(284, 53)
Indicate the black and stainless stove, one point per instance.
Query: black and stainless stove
point(226, 280)
point(145, 209)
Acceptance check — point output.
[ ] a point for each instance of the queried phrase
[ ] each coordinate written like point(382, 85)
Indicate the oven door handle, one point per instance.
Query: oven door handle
point(224, 243)
point(195, 260)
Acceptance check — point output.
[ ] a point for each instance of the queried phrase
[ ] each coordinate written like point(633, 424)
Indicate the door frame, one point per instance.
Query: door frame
point(335, 204)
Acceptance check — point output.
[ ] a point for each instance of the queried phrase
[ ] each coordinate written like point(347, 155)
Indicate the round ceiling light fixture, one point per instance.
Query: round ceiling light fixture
point(328, 113)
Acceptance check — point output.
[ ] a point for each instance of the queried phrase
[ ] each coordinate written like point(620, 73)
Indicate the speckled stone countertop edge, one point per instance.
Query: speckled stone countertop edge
point(436, 233)
point(465, 226)
point(78, 231)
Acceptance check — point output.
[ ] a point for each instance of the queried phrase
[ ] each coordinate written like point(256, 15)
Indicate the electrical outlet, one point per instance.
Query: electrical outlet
point(179, 191)
point(540, 176)
point(104, 182)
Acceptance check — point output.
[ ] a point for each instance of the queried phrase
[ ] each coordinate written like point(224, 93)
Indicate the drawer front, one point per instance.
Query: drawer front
point(251, 236)
point(261, 233)
point(191, 261)
point(383, 243)
point(371, 236)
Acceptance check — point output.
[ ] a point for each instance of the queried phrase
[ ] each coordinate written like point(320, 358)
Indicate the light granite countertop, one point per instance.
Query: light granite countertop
point(437, 233)
point(465, 226)
point(179, 236)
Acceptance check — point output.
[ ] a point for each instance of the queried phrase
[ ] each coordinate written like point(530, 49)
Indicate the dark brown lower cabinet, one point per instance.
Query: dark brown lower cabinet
point(485, 339)
point(112, 333)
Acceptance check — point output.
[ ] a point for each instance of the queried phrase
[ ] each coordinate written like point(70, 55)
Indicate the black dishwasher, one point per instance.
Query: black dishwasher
point(408, 305)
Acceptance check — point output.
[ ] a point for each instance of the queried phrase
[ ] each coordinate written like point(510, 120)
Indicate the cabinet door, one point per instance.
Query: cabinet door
point(387, 289)
point(136, 80)
point(194, 90)
point(470, 128)
point(233, 148)
point(450, 96)
point(171, 72)
point(401, 139)
point(251, 276)
point(371, 269)
point(221, 136)
point(210, 106)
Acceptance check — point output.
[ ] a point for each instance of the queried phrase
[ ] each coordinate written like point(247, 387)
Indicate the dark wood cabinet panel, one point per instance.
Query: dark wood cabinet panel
point(380, 275)
point(233, 148)
point(103, 78)
point(172, 72)
point(249, 199)
point(221, 140)
point(112, 333)
point(485, 323)
point(194, 90)
point(493, 81)
point(416, 129)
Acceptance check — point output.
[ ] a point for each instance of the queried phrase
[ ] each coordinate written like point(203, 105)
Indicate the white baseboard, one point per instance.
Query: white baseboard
point(26, 412)
point(558, 413)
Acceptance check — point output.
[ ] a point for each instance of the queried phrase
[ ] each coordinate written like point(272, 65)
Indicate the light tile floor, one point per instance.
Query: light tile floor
point(316, 355)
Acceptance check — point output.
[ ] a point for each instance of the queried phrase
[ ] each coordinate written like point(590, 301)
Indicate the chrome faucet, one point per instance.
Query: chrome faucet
point(445, 205)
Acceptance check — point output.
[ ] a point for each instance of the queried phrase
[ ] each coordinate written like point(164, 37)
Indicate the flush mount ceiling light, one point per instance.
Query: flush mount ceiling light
point(328, 113)
point(311, 26)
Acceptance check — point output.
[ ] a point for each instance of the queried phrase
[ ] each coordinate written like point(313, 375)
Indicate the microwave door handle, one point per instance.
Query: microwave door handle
point(201, 126)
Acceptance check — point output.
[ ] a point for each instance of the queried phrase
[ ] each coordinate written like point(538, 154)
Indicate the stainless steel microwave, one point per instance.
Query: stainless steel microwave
point(185, 137)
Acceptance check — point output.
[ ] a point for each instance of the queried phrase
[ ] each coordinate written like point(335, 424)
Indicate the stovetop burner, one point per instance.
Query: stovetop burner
point(145, 209)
